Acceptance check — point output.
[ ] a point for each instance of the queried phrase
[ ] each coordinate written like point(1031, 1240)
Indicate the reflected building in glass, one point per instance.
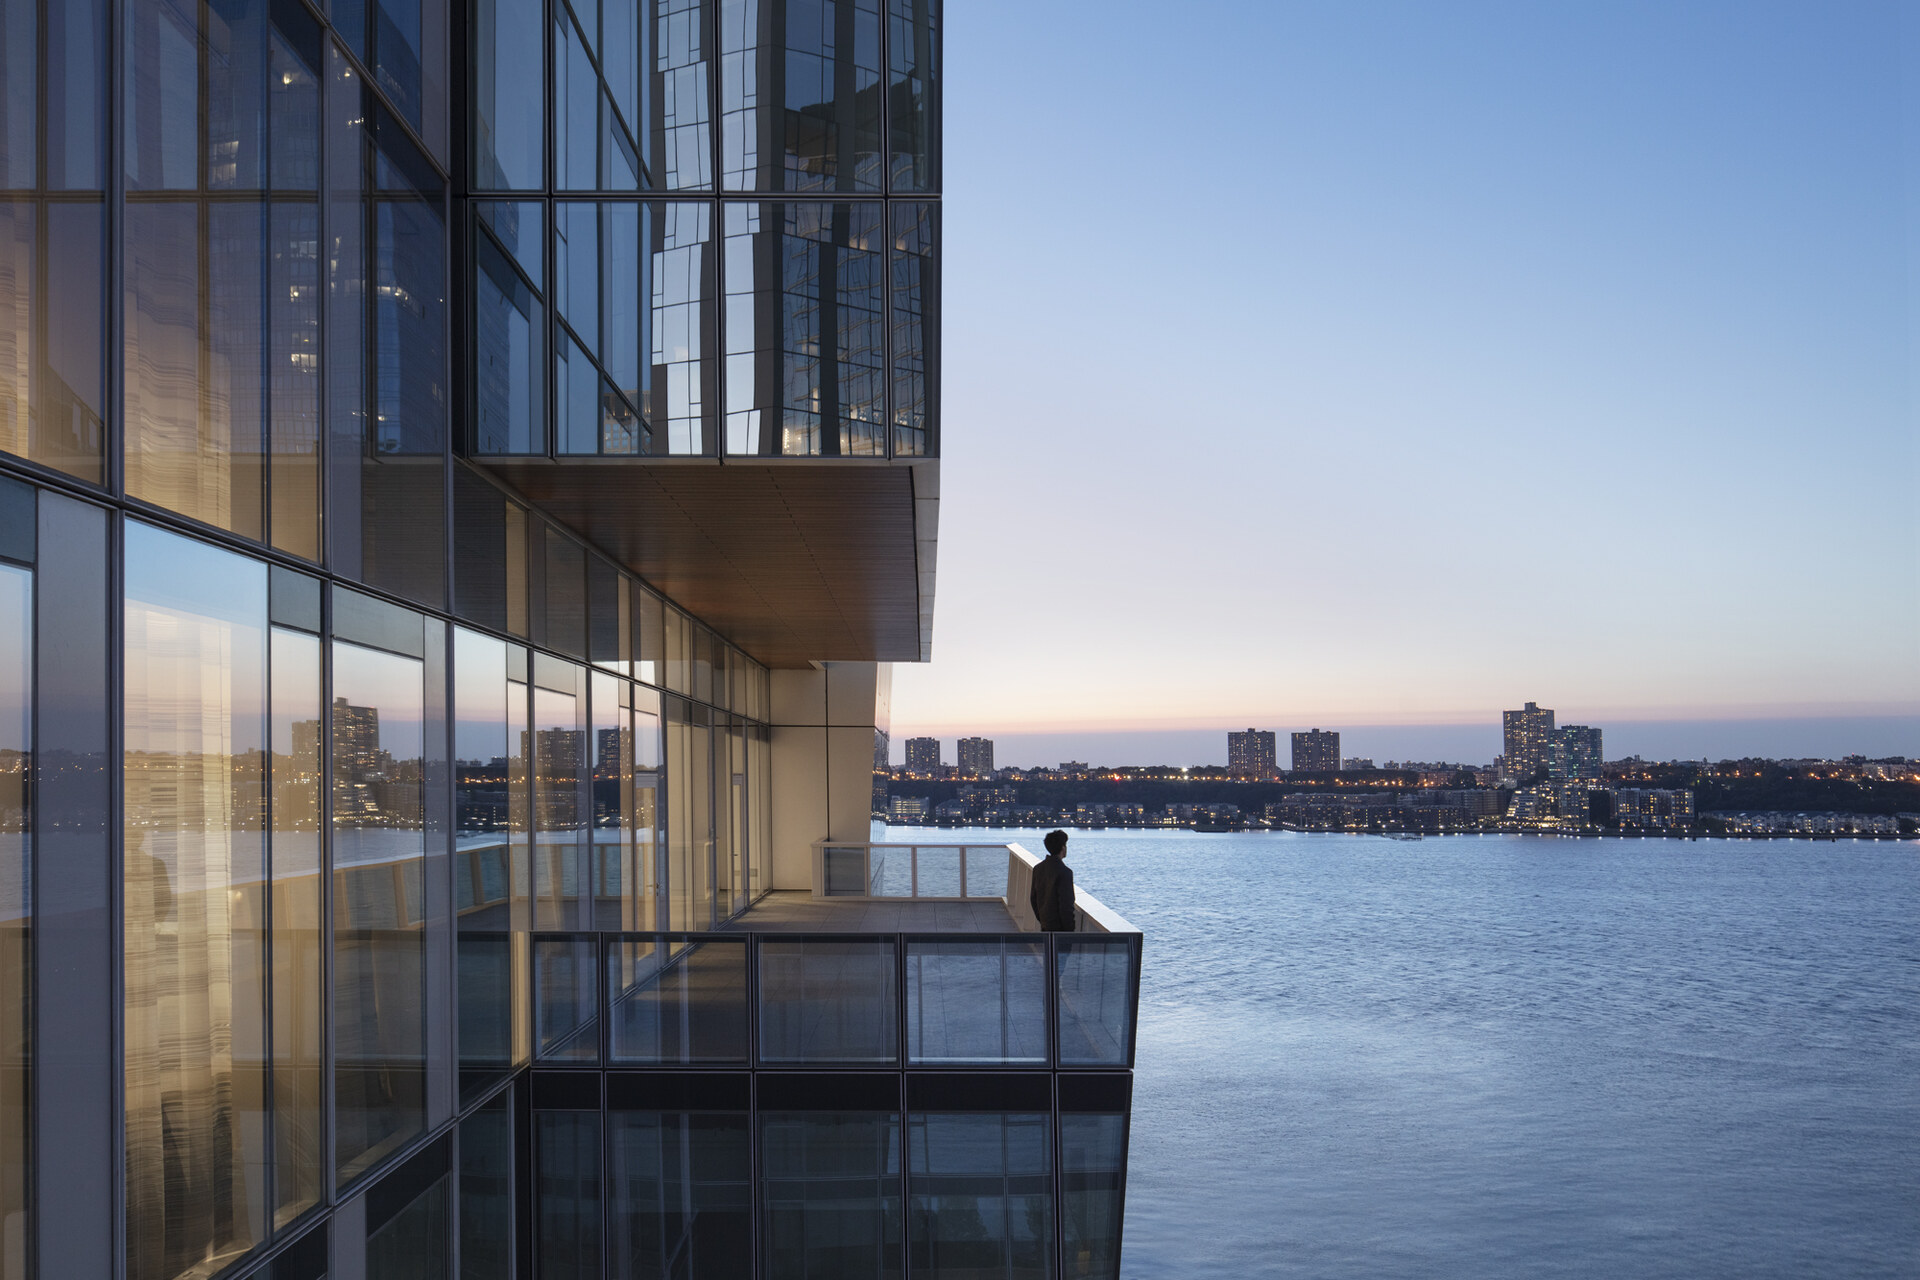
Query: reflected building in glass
point(466, 470)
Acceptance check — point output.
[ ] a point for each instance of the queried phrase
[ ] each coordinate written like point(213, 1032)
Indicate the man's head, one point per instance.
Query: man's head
point(1056, 843)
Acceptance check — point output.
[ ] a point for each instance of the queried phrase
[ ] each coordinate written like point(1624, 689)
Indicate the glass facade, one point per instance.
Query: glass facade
point(16, 873)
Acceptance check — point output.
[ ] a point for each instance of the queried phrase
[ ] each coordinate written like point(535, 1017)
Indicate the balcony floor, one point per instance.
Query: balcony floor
point(796, 911)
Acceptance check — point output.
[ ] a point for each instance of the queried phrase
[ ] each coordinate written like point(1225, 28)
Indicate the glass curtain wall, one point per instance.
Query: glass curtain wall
point(681, 1202)
point(980, 1196)
point(53, 230)
point(16, 901)
point(379, 863)
point(299, 949)
point(196, 1051)
point(830, 1182)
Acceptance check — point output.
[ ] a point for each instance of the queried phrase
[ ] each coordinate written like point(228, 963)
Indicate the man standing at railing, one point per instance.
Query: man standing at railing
point(1052, 892)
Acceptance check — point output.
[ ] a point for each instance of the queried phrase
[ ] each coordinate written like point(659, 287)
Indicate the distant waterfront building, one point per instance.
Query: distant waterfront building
point(1252, 754)
point(1357, 764)
point(1575, 752)
point(1527, 736)
point(923, 756)
point(907, 808)
point(976, 756)
point(1073, 769)
point(1316, 751)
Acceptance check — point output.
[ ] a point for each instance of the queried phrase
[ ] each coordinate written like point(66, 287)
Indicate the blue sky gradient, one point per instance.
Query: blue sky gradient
point(1394, 363)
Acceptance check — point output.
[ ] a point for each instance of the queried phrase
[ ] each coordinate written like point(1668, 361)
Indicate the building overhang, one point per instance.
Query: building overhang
point(793, 560)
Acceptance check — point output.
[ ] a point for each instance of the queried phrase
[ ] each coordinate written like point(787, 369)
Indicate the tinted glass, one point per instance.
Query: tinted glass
point(913, 94)
point(831, 1188)
point(299, 958)
point(914, 279)
point(509, 129)
point(976, 1000)
point(52, 327)
point(1096, 993)
point(414, 1243)
point(828, 1000)
point(485, 892)
point(677, 1000)
point(509, 328)
point(486, 1192)
point(16, 916)
point(379, 854)
point(806, 116)
point(980, 1196)
point(680, 149)
point(1093, 1166)
point(682, 1196)
point(567, 1166)
point(804, 329)
point(195, 874)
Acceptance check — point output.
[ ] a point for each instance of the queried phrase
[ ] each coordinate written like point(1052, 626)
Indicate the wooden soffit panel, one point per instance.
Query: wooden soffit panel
point(794, 562)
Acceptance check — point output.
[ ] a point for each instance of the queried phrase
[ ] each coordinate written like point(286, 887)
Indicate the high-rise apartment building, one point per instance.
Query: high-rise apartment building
point(464, 473)
point(1251, 753)
point(923, 756)
point(976, 756)
point(1526, 741)
point(1575, 752)
point(1316, 751)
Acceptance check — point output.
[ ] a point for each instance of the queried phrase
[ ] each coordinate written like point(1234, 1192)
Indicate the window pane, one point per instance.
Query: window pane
point(567, 1160)
point(16, 915)
point(832, 1187)
point(484, 890)
point(413, 1244)
point(675, 1000)
point(486, 1192)
point(976, 1000)
point(913, 94)
point(915, 281)
point(559, 747)
point(806, 117)
point(509, 355)
point(379, 855)
point(682, 1203)
point(680, 146)
point(828, 1000)
point(509, 128)
point(804, 341)
point(1093, 1166)
point(52, 322)
point(1096, 1001)
point(565, 1010)
point(980, 1196)
point(196, 1036)
point(611, 832)
point(299, 1025)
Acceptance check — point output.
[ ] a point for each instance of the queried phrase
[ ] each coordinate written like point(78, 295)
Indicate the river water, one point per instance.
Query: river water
point(1506, 1056)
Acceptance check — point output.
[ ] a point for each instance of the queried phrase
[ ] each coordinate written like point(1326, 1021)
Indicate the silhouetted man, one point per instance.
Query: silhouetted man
point(1052, 892)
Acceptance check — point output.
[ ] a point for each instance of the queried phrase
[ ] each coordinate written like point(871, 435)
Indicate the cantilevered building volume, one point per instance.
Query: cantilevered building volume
point(464, 475)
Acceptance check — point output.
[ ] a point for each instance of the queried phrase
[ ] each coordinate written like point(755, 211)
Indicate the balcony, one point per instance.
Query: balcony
point(923, 959)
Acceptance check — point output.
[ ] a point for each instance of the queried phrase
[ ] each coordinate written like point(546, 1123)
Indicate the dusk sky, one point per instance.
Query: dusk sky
point(1370, 364)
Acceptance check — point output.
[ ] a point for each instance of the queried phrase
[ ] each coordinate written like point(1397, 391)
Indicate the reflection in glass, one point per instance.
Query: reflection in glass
point(299, 1024)
point(913, 92)
point(680, 149)
point(914, 267)
point(509, 331)
point(52, 322)
point(674, 1000)
point(196, 1001)
point(509, 131)
point(643, 874)
point(1096, 1001)
point(980, 1196)
point(486, 1192)
point(565, 1010)
point(489, 901)
point(567, 1173)
point(611, 853)
point(379, 856)
point(804, 343)
point(16, 914)
point(682, 1203)
point(828, 1000)
point(976, 1000)
point(831, 1182)
point(806, 116)
point(682, 399)
point(1093, 1166)
point(559, 763)
point(412, 1245)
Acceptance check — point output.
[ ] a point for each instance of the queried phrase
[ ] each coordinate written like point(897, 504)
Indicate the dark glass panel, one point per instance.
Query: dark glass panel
point(299, 957)
point(828, 1000)
point(509, 126)
point(681, 399)
point(1096, 1001)
point(479, 550)
point(379, 854)
point(415, 1243)
point(403, 490)
point(913, 90)
point(486, 1192)
point(16, 913)
point(975, 1000)
point(914, 278)
point(576, 268)
point(627, 309)
point(52, 327)
point(565, 1000)
point(576, 109)
point(800, 95)
point(196, 732)
point(509, 334)
point(677, 1001)
point(484, 890)
point(804, 329)
point(346, 312)
point(679, 114)
point(1093, 1167)
point(980, 1191)
point(567, 1160)
point(566, 592)
point(520, 227)
point(831, 1182)
point(649, 637)
point(294, 364)
point(682, 1203)
point(610, 622)
point(404, 42)
point(63, 151)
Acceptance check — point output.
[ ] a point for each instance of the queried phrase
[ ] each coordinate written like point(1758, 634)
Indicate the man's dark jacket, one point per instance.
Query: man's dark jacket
point(1052, 895)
